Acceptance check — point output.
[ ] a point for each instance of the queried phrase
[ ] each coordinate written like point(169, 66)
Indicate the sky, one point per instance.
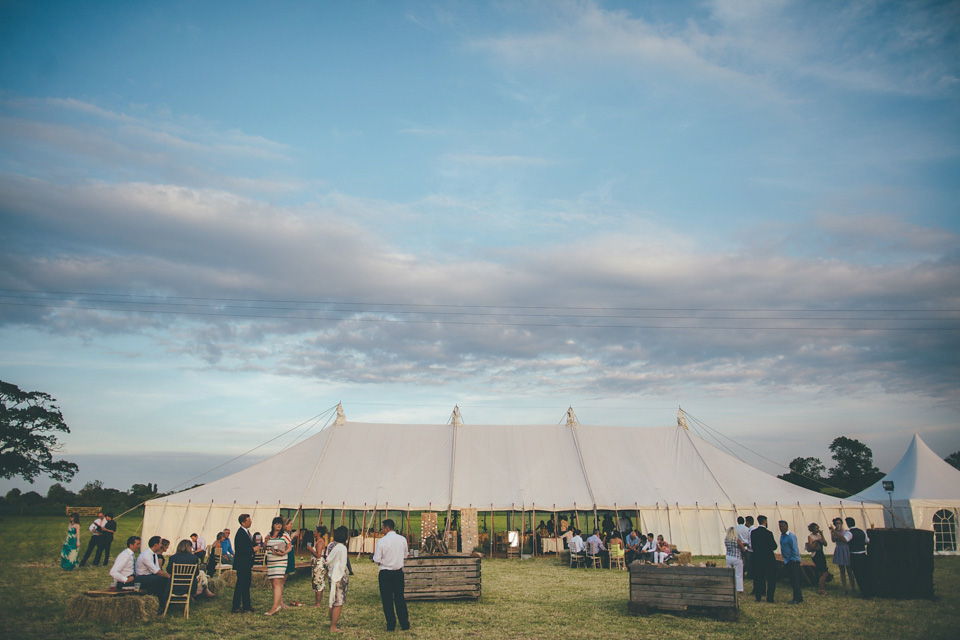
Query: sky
point(220, 219)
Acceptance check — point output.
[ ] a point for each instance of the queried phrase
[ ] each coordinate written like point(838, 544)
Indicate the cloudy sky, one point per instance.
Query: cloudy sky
point(220, 219)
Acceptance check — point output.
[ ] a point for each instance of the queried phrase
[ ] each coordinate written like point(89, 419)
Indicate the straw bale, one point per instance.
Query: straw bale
point(113, 610)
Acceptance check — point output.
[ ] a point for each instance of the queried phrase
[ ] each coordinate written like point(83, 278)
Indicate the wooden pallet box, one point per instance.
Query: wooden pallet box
point(710, 590)
point(450, 577)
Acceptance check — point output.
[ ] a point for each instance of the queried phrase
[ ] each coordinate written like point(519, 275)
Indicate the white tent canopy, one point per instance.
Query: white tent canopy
point(674, 482)
point(926, 495)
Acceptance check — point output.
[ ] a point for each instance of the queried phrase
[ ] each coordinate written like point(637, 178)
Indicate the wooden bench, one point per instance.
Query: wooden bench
point(449, 577)
point(710, 590)
point(84, 511)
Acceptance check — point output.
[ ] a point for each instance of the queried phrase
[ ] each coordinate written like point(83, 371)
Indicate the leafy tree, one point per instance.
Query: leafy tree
point(806, 473)
point(29, 422)
point(954, 459)
point(60, 494)
point(854, 470)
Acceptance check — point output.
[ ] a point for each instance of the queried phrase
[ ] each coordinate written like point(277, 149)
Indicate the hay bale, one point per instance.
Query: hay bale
point(114, 610)
point(260, 580)
point(217, 584)
point(229, 578)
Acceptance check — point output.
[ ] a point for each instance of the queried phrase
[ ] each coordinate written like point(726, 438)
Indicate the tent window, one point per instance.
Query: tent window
point(944, 531)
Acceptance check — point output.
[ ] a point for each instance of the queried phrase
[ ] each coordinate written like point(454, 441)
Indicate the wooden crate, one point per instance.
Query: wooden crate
point(709, 590)
point(441, 578)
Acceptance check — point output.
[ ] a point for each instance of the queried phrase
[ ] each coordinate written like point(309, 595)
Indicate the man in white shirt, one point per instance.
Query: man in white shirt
point(649, 548)
point(576, 542)
point(743, 532)
point(595, 547)
point(389, 553)
point(122, 570)
point(151, 577)
point(95, 528)
point(199, 546)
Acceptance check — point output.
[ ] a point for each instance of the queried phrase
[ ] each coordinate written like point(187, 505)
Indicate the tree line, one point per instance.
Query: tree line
point(853, 469)
point(93, 494)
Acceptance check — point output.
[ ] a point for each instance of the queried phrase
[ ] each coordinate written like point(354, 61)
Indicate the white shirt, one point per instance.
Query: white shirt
point(649, 546)
point(122, 566)
point(390, 551)
point(744, 534)
point(576, 544)
point(200, 544)
point(147, 563)
point(99, 522)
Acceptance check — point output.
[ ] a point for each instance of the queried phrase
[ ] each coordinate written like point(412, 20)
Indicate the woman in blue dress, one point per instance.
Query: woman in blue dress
point(68, 555)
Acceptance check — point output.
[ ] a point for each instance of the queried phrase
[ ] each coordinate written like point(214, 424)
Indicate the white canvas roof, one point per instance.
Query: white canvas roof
point(666, 475)
point(920, 475)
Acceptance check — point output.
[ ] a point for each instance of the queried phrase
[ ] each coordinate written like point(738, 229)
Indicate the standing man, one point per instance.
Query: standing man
point(744, 534)
point(122, 570)
point(389, 553)
point(859, 566)
point(106, 539)
point(764, 562)
point(747, 570)
point(95, 528)
point(790, 550)
point(151, 577)
point(243, 564)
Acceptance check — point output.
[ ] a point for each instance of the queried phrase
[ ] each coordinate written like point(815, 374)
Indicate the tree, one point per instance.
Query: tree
point(854, 470)
point(806, 473)
point(954, 459)
point(29, 422)
point(61, 495)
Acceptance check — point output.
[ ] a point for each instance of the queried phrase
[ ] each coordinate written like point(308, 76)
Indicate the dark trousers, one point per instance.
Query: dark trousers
point(391, 595)
point(105, 547)
point(793, 573)
point(93, 544)
point(861, 571)
point(156, 586)
point(764, 578)
point(746, 563)
point(241, 592)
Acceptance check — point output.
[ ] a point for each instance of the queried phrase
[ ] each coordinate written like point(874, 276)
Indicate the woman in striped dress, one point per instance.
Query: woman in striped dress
point(277, 545)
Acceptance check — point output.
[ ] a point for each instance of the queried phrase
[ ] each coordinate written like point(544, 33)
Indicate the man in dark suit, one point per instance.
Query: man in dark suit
point(764, 563)
point(243, 564)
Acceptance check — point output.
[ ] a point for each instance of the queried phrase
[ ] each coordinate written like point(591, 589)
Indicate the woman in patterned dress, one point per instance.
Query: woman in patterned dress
point(318, 570)
point(277, 545)
point(68, 555)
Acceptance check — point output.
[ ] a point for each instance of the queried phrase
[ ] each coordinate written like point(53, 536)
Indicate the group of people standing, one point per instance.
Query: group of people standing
point(750, 550)
point(330, 563)
point(101, 538)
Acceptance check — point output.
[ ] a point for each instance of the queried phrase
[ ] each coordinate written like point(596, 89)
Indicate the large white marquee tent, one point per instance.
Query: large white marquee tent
point(926, 495)
point(674, 482)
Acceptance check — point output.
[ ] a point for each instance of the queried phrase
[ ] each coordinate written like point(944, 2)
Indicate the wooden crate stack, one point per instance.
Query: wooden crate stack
point(709, 590)
point(441, 578)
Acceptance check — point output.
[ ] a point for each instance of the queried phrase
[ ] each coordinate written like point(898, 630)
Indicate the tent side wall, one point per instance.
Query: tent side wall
point(919, 514)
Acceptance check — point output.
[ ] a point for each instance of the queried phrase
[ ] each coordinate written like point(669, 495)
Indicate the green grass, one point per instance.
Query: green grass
point(521, 599)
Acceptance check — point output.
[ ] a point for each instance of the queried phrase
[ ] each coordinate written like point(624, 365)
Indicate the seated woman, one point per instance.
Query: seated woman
point(663, 551)
point(212, 560)
point(185, 555)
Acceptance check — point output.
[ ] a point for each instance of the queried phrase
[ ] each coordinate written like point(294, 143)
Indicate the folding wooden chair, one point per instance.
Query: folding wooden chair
point(181, 580)
point(577, 559)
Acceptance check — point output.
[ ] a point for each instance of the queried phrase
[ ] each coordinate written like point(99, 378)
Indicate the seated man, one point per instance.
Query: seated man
point(648, 549)
point(199, 546)
point(226, 547)
point(595, 547)
point(151, 577)
point(122, 570)
point(634, 543)
point(576, 542)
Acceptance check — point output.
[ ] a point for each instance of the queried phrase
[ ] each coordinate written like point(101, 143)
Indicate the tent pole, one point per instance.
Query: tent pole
point(493, 531)
point(639, 522)
point(523, 528)
point(363, 529)
point(533, 524)
point(342, 507)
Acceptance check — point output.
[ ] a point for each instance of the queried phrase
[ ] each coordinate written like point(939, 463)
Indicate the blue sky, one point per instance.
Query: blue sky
point(220, 219)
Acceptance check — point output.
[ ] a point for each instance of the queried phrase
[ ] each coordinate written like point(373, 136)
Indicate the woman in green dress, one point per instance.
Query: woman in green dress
point(68, 555)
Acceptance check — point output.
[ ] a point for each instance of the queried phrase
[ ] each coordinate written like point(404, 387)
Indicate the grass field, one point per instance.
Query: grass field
point(536, 598)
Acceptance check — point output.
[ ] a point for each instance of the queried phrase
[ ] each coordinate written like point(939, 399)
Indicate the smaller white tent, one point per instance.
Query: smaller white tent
point(926, 495)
